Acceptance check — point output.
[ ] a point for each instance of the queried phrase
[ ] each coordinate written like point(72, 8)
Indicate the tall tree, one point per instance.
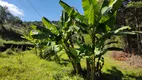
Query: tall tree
point(131, 14)
point(6, 16)
point(6, 31)
point(2, 14)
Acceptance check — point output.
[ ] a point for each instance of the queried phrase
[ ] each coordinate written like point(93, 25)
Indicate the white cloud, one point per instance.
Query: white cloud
point(12, 8)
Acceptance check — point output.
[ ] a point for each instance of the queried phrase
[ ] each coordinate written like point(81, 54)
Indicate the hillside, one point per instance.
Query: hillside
point(27, 66)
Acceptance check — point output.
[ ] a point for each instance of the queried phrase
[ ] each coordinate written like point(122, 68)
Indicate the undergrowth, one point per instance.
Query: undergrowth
point(27, 66)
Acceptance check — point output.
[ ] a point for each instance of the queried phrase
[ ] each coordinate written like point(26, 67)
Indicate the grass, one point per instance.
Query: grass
point(13, 42)
point(120, 69)
point(27, 66)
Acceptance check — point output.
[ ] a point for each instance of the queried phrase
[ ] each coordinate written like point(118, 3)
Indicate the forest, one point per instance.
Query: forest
point(104, 43)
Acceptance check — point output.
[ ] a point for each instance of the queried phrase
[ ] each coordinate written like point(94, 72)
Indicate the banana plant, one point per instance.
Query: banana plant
point(51, 36)
point(99, 21)
point(66, 29)
point(42, 38)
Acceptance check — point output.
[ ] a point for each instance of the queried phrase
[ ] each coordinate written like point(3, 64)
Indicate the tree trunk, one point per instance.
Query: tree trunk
point(79, 69)
point(88, 69)
point(76, 66)
point(93, 71)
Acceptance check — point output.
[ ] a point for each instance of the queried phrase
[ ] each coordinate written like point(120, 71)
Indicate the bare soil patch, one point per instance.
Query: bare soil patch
point(132, 60)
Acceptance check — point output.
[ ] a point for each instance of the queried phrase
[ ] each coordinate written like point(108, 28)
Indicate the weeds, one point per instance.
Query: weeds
point(27, 66)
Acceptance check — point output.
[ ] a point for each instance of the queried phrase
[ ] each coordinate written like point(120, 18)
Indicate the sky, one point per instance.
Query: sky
point(50, 9)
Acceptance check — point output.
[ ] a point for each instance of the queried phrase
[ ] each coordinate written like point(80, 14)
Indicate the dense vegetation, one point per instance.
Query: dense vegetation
point(131, 15)
point(76, 44)
point(27, 66)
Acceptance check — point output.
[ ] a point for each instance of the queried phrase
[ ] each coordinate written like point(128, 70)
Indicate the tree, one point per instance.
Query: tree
point(7, 17)
point(15, 21)
point(60, 34)
point(98, 21)
point(131, 15)
point(3, 13)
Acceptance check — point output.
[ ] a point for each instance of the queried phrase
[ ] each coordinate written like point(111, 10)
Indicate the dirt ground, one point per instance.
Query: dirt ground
point(132, 60)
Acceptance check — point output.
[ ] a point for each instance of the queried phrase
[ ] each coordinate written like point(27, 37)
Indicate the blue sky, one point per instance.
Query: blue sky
point(51, 9)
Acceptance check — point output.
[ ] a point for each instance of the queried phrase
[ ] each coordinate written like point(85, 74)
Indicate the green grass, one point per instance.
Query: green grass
point(13, 42)
point(27, 66)
point(120, 69)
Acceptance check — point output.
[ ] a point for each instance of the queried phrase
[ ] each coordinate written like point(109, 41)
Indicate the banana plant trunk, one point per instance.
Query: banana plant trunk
point(79, 69)
point(93, 71)
point(88, 69)
point(98, 68)
point(93, 68)
point(76, 65)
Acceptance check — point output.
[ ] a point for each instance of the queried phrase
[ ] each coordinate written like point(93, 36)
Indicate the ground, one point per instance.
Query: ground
point(27, 66)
